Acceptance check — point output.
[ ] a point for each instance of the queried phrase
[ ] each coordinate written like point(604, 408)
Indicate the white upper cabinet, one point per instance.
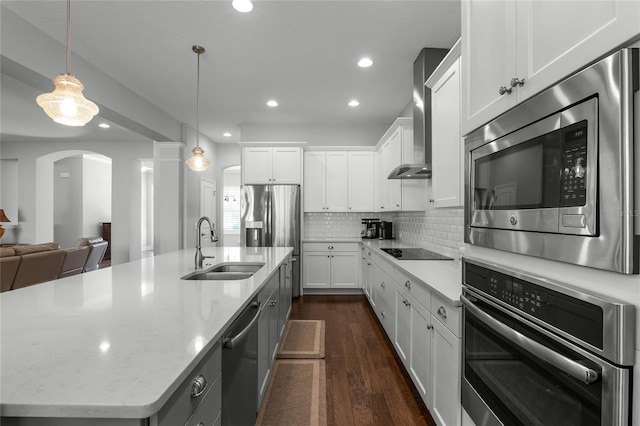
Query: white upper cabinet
point(396, 148)
point(338, 181)
point(512, 50)
point(271, 165)
point(361, 181)
point(445, 129)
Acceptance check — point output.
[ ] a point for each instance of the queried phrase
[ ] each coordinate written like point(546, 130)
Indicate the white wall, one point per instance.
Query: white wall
point(9, 197)
point(68, 200)
point(96, 194)
point(231, 180)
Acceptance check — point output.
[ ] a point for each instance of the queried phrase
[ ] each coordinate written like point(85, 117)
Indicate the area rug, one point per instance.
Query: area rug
point(302, 339)
point(296, 394)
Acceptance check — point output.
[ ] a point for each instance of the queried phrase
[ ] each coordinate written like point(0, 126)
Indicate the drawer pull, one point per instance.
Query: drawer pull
point(406, 303)
point(382, 284)
point(198, 386)
point(430, 327)
point(408, 284)
point(383, 314)
point(201, 424)
point(442, 312)
point(330, 247)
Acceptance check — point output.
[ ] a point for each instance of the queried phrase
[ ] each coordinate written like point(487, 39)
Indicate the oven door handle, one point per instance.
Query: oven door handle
point(574, 369)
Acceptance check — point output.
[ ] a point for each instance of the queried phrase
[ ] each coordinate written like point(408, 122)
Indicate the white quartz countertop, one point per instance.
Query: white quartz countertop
point(116, 342)
point(442, 276)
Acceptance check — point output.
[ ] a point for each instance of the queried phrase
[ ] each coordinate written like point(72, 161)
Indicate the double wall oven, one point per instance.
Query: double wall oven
point(537, 352)
point(553, 177)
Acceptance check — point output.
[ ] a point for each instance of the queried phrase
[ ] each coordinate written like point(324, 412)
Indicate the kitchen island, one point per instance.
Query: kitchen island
point(116, 343)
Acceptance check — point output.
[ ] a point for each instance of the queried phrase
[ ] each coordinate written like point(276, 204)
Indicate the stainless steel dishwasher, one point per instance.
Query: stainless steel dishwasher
point(240, 368)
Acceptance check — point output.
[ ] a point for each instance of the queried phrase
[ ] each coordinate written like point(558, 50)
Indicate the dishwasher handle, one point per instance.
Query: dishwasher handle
point(229, 342)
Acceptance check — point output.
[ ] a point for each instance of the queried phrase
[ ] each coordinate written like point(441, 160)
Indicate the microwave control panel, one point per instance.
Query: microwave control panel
point(574, 168)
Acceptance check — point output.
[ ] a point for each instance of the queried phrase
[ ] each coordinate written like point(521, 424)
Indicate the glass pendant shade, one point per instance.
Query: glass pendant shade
point(66, 104)
point(198, 162)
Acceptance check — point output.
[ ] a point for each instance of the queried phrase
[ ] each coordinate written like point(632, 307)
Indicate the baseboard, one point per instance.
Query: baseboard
point(331, 291)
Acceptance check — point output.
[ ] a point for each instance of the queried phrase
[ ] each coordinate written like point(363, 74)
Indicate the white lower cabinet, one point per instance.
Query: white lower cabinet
point(331, 266)
point(426, 333)
point(445, 384)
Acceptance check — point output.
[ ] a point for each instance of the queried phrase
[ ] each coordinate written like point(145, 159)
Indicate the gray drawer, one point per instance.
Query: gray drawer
point(181, 404)
point(210, 408)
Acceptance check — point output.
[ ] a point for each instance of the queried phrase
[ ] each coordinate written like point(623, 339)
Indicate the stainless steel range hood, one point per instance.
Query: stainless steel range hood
point(423, 67)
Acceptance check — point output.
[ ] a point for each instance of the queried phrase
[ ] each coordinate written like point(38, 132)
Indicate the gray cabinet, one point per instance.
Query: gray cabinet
point(268, 333)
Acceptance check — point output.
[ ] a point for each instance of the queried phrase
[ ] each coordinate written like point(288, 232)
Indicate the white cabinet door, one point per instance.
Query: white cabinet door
point(314, 181)
point(402, 339)
point(361, 181)
point(344, 270)
point(488, 46)
point(317, 270)
point(556, 38)
point(538, 41)
point(394, 186)
point(336, 181)
point(286, 165)
point(445, 370)
point(447, 144)
point(257, 165)
point(420, 351)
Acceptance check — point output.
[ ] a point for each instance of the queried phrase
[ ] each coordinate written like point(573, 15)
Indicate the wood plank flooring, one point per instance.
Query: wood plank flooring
point(366, 382)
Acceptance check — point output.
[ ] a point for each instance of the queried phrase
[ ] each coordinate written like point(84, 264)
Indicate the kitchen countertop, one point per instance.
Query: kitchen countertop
point(336, 239)
point(442, 276)
point(116, 342)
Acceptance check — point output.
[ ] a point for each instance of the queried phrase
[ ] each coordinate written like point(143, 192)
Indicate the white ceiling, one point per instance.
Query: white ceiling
point(301, 53)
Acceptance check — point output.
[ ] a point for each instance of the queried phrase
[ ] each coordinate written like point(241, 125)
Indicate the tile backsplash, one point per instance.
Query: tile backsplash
point(438, 230)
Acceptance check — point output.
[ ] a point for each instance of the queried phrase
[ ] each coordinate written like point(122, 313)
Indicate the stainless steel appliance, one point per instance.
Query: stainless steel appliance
point(270, 217)
point(240, 368)
point(386, 230)
point(553, 177)
point(536, 352)
point(414, 254)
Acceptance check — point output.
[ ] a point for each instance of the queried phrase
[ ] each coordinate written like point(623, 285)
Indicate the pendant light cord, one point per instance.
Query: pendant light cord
point(198, 104)
point(69, 37)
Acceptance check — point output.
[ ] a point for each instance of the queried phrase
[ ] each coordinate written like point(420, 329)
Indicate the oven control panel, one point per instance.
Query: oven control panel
point(577, 317)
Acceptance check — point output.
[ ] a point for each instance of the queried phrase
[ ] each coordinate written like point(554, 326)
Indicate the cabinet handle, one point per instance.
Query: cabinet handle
point(349, 208)
point(330, 247)
point(198, 386)
point(382, 207)
point(442, 312)
point(430, 327)
point(408, 284)
point(515, 81)
point(368, 263)
point(406, 303)
point(201, 424)
point(503, 89)
point(383, 314)
point(382, 284)
point(431, 200)
point(397, 205)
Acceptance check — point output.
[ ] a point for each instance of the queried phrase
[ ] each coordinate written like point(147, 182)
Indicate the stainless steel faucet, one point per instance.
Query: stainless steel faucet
point(199, 256)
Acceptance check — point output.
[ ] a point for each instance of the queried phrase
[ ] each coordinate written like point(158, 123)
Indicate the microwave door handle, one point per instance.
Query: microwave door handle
point(574, 369)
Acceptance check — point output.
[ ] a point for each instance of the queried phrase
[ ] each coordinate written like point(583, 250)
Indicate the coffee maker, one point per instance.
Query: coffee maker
point(370, 228)
point(385, 232)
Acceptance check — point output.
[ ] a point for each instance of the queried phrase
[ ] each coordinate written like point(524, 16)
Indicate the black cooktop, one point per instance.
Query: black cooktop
point(414, 254)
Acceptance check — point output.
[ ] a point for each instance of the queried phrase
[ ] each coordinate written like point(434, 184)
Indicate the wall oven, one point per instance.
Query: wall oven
point(536, 352)
point(553, 177)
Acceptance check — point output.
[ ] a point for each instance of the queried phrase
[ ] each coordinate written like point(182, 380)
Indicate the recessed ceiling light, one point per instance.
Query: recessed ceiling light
point(365, 62)
point(104, 125)
point(272, 103)
point(226, 134)
point(354, 103)
point(243, 6)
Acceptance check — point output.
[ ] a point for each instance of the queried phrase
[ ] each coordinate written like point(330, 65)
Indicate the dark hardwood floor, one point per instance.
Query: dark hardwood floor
point(366, 382)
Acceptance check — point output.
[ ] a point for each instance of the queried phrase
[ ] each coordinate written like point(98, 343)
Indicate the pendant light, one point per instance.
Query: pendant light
point(66, 104)
point(198, 162)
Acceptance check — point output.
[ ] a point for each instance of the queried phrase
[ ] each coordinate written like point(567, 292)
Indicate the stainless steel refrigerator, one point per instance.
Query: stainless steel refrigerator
point(270, 217)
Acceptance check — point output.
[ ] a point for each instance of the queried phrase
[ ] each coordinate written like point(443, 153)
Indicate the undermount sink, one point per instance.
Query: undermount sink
point(226, 271)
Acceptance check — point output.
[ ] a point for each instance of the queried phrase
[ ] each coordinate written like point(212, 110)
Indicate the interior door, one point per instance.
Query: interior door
point(207, 201)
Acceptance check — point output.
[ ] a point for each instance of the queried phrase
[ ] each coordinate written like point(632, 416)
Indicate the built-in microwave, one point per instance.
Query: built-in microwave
point(553, 177)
